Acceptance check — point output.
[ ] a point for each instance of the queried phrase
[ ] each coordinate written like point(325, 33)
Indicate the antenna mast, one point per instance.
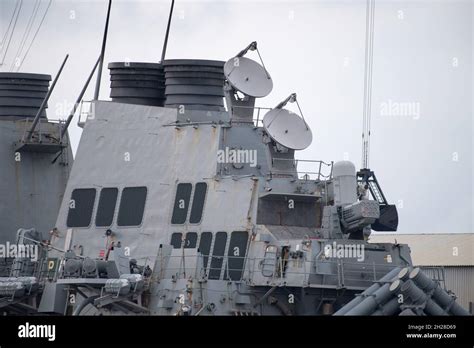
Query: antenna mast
point(369, 50)
point(102, 53)
point(79, 98)
point(165, 43)
point(45, 101)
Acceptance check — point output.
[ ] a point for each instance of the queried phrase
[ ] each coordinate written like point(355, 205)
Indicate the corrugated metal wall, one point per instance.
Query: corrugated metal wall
point(460, 280)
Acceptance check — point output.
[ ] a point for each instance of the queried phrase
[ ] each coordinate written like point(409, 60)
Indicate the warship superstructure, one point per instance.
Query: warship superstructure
point(185, 198)
point(35, 165)
point(167, 213)
point(31, 173)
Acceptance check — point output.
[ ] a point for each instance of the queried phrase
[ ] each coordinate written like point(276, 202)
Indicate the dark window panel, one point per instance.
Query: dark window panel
point(217, 257)
point(198, 203)
point(176, 239)
point(236, 254)
point(132, 206)
point(191, 240)
point(181, 203)
point(80, 207)
point(205, 247)
point(106, 207)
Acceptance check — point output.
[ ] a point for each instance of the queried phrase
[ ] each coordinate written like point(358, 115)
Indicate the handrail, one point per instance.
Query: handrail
point(85, 115)
point(343, 272)
point(318, 173)
point(44, 135)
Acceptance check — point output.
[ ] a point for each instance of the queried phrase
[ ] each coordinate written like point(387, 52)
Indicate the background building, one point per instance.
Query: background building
point(453, 252)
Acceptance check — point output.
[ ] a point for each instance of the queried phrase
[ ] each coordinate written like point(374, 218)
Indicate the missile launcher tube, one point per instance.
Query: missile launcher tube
point(389, 308)
point(441, 297)
point(370, 290)
point(409, 290)
point(371, 302)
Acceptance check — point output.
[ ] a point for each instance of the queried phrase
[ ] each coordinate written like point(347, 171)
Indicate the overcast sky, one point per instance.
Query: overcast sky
point(422, 104)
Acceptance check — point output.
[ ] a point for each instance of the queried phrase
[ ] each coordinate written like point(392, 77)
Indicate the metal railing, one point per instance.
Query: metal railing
point(284, 272)
point(86, 112)
point(44, 134)
point(258, 118)
point(16, 267)
point(256, 111)
point(322, 170)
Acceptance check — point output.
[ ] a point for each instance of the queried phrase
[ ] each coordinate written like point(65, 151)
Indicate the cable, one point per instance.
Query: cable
point(34, 37)
point(11, 35)
point(10, 24)
point(26, 33)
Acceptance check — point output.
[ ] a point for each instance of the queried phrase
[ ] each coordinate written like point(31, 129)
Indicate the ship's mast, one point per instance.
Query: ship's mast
point(45, 101)
point(165, 43)
point(367, 108)
point(78, 101)
point(102, 53)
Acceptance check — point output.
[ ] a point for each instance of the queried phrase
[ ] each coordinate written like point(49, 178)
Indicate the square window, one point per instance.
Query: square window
point(106, 206)
point(181, 203)
point(132, 206)
point(80, 207)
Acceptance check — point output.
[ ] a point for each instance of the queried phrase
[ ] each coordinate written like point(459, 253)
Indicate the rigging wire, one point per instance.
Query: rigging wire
point(34, 36)
point(11, 35)
point(10, 24)
point(367, 106)
point(26, 34)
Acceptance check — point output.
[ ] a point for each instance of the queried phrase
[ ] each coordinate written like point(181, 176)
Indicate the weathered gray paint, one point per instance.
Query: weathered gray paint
point(32, 187)
point(133, 145)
